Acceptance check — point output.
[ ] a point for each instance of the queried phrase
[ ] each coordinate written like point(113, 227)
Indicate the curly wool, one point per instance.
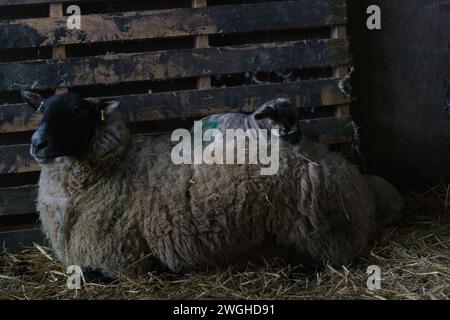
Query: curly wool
point(125, 206)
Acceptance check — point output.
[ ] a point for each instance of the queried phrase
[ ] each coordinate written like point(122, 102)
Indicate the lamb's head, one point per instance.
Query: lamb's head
point(280, 112)
point(68, 124)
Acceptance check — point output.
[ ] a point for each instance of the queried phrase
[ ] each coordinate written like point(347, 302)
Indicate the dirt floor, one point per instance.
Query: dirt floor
point(414, 259)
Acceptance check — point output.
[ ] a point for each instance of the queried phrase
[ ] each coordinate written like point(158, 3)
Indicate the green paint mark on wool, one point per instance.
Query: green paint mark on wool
point(211, 124)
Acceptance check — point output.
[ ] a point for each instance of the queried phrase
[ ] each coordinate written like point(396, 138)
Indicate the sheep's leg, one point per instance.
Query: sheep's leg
point(316, 232)
point(308, 247)
point(388, 200)
point(293, 237)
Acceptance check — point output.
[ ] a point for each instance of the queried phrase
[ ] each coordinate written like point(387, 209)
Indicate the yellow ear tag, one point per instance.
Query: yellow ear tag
point(102, 115)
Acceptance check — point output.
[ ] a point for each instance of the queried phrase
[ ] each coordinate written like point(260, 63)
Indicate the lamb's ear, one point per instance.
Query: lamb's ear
point(33, 99)
point(267, 110)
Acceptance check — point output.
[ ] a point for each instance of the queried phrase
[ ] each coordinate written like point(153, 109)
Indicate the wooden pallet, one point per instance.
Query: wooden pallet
point(294, 49)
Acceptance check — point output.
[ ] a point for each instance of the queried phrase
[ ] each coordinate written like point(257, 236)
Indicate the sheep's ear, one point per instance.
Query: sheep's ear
point(33, 99)
point(110, 106)
point(104, 107)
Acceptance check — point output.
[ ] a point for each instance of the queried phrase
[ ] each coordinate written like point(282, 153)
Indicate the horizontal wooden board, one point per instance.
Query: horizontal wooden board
point(17, 159)
point(31, 2)
point(329, 130)
point(18, 200)
point(120, 68)
point(174, 23)
point(15, 240)
point(18, 117)
point(194, 103)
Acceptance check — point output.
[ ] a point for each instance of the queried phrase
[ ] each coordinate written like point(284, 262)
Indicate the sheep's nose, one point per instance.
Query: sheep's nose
point(38, 142)
point(41, 144)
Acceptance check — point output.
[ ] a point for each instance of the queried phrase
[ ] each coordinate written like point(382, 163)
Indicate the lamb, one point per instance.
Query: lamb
point(117, 204)
point(274, 114)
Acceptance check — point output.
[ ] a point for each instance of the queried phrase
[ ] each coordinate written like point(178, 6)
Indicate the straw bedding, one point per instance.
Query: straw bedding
point(414, 258)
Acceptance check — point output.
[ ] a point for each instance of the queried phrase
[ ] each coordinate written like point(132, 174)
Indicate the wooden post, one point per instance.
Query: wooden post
point(201, 41)
point(58, 52)
point(340, 32)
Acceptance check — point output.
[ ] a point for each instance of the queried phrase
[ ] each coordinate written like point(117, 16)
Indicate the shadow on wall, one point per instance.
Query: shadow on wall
point(401, 79)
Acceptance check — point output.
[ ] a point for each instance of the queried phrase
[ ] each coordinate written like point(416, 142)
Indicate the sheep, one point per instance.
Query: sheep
point(274, 114)
point(111, 202)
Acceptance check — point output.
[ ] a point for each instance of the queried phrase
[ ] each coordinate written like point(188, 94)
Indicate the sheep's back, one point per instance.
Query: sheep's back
point(207, 214)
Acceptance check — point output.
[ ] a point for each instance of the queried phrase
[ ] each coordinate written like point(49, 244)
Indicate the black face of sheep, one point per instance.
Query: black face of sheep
point(67, 125)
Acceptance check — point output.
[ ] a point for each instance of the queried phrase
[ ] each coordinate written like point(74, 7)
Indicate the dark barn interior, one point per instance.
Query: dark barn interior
point(380, 97)
point(401, 82)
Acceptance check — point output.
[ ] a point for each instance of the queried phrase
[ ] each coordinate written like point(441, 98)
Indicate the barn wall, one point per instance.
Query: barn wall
point(401, 80)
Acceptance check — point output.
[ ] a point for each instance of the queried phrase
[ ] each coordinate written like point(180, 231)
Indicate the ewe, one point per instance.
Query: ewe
point(113, 203)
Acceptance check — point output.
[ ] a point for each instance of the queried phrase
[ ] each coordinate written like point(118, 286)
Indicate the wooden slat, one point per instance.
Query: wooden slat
point(18, 200)
point(340, 72)
point(16, 240)
point(56, 10)
point(325, 130)
point(174, 23)
point(191, 103)
point(172, 64)
point(202, 41)
point(328, 130)
point(17, 158)
point(58, 51)
point(18, 117)
point(34, 2)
